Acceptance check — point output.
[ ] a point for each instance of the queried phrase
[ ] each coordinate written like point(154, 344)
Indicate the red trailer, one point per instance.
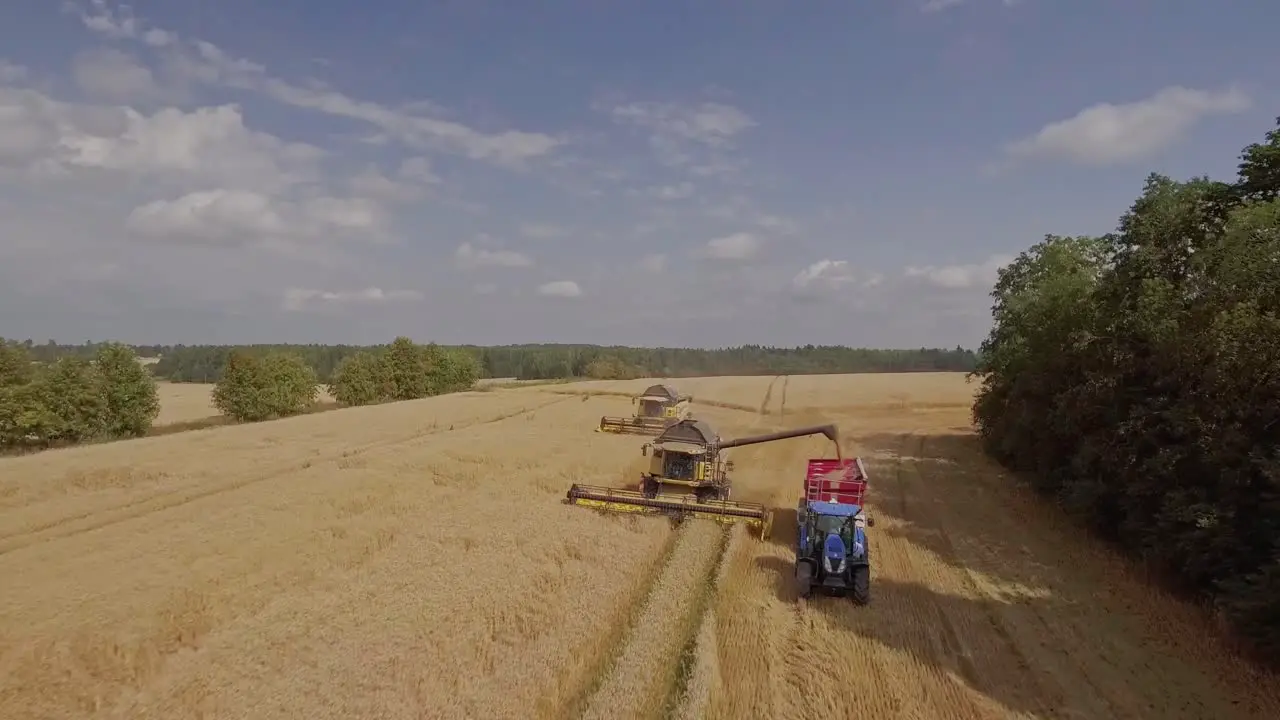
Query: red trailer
point(836, 481)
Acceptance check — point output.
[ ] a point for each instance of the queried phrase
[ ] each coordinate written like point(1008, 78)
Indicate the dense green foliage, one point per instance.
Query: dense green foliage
point(1135, 378)
point(204, 363)
point(402, 371)
point(253, 388)
point(74, 398)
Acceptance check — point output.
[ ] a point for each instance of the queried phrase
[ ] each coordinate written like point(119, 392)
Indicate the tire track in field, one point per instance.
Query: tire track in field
point(782, 406)
point(768, 395)
point(95, 520)
point(646, 669)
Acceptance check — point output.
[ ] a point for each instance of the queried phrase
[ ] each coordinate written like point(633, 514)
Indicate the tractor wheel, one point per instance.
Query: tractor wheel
point(861, 593)
point(804, 579)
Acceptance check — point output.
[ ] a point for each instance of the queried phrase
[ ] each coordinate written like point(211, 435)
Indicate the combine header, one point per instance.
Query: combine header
point(688, 456)
point(657, 408)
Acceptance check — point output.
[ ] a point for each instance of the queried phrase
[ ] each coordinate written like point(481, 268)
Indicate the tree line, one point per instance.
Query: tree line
point(205, 363)
point(110, 394)
point(1135, 378)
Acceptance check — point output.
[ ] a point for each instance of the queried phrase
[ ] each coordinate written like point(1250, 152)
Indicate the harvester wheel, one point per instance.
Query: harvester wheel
point(861, 585)
point(649, 487)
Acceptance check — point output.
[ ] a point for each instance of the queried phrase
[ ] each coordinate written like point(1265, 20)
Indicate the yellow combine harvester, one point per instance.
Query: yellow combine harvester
point(688, 455)
point(657, 408)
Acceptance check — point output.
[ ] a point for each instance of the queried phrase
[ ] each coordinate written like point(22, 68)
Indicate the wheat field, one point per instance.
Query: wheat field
point(416, 560)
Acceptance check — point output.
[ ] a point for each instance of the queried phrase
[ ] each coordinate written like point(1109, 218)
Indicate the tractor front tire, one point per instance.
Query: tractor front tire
point(861, 592)
point(804, 579)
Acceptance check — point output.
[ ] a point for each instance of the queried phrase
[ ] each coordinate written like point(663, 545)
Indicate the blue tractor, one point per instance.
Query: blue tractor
point(833, 554)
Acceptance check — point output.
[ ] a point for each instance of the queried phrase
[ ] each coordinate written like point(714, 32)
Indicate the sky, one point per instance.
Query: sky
point(697, 174)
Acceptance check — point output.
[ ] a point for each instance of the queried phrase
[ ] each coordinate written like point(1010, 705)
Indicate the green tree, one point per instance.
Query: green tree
point(131, 398)
point(356, 380)
point(24, 420)
point(261, 388)
point(241, 392)
point(455, 370)
point(406, 371)
point(70, 390)
point(291, 384)
point(1137, 378)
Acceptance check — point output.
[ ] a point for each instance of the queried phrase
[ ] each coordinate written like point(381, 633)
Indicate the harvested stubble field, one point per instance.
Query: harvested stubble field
point(416, 560)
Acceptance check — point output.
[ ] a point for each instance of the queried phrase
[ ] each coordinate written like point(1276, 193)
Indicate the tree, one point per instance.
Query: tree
point(455, 370)
point(356, 380)
point(1136, 377)
point(131, 398)
point(405, 371)
point(291, 384)
point(70, 391)
point(253, 389)
point(241, 393)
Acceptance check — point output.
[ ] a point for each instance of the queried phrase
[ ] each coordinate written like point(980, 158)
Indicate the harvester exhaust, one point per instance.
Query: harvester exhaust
point(723, 511)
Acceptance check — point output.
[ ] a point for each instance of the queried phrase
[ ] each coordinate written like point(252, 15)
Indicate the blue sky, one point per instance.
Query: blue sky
point(641, 173)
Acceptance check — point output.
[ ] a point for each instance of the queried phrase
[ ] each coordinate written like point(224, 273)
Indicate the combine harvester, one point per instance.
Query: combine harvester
point(657, 408)
point(688, 455)
point(832, 553)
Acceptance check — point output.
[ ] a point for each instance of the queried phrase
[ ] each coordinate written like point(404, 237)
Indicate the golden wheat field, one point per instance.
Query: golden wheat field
point(416, 560)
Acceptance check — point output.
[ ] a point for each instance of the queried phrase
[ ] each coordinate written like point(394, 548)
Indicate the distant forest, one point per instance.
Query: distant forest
point(204, 363)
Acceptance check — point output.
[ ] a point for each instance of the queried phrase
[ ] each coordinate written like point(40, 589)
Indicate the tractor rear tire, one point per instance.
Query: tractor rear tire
point(861, 592)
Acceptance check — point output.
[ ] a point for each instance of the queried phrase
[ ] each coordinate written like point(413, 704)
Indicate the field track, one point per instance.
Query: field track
point(416, 560)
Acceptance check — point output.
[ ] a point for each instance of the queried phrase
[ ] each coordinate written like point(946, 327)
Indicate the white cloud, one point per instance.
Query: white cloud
point(298, 299)
point(933, 6)
point(833, 273)
point(738, 246)
point(560, 288)
point(694, 137)
point(205, 62)
point(112, 75)
point(655, 263)
point(11, 73)
point(1107, 134)
point(960, 277)
point(484, 288)
point(541, 231)
point(242, 217)
point(678, 191)
point(470, 256)
point(708, 123)
point(209, 144)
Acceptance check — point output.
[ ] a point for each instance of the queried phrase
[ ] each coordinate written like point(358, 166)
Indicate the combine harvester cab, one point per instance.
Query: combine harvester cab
point(832, 549)
point(688, 457)
point(657, 408)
